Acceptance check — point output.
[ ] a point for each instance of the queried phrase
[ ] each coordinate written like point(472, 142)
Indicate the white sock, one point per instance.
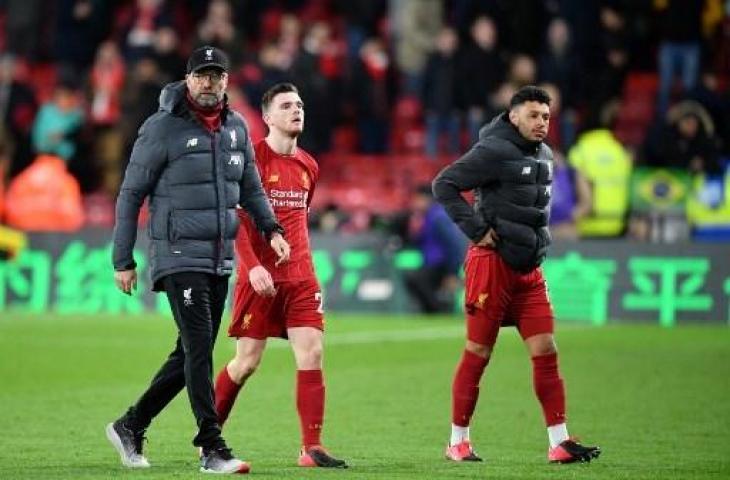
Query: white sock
point(458, 434)
point(557, 434)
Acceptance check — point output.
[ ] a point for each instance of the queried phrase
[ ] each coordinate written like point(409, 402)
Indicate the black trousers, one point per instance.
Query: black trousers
point(197, 301)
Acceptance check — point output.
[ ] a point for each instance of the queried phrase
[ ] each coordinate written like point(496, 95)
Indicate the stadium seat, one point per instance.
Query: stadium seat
point(344, 139)
point(407, 134)
point(637, 108)
point(99, 209)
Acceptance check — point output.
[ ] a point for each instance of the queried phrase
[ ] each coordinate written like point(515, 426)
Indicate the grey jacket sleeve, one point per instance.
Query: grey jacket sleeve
point(253, 198)
point(474, 169)
point(145, 165)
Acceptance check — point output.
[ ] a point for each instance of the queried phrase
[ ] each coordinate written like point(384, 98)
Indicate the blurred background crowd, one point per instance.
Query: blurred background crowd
point(394, 90)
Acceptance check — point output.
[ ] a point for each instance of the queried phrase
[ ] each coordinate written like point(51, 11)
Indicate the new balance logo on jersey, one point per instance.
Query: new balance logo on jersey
point(192, 142)
point(526, 170)
point(235, 160)
point(188, 296)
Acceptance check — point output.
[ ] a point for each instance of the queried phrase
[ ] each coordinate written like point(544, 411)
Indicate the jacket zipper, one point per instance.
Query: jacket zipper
point(219, 246)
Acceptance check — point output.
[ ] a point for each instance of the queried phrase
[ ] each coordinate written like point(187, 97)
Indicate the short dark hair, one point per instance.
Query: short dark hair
point(269, 95)
point(529, 93)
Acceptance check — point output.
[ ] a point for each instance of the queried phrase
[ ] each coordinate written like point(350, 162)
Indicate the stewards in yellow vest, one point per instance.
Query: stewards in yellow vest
point(700, 214)
point(603, 173)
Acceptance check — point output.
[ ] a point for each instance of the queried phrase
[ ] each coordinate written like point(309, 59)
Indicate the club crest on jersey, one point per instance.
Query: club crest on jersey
point(273, 178)
point(234, 141)
point(192, 142)
point(305, 180)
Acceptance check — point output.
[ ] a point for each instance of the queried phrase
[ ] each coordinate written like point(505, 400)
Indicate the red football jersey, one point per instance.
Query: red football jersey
point(289, 183)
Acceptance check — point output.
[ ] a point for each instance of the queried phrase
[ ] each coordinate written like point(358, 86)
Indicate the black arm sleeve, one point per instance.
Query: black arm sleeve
point(476, 168)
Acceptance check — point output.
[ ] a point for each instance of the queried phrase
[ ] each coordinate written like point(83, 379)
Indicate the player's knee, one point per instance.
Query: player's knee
point(542, 346)
point(478, 349)
point(312, 358)
point(241, 368)
point(543, 350)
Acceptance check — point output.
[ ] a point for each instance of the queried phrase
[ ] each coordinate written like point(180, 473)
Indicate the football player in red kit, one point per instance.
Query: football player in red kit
point(510, 171)
point(281, 300)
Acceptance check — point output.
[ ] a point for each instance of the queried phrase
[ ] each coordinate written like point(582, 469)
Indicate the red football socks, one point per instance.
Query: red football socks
point(549, 388)
point(310, 405)
point(226, 391)
point(465, 389)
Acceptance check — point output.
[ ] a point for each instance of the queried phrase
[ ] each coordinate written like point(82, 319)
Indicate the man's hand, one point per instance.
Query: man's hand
point(126, 280)
point(490, 239)
point(279, 245)
point(261, 281)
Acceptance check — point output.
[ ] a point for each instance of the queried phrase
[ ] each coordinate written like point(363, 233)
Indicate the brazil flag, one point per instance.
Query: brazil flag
point(664, 189)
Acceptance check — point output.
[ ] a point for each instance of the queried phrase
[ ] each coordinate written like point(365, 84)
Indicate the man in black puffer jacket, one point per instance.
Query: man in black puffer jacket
point(510, 171)
point(194, 160)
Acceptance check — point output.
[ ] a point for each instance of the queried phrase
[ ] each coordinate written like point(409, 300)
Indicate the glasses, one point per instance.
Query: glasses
point(214, 77)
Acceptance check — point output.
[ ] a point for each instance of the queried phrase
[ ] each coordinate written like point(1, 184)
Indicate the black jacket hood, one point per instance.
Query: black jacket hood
point(173, 94)
point(501, 127)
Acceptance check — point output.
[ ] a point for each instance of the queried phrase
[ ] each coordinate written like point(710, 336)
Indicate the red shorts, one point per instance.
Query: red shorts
point(497, 295)
point(295, 304)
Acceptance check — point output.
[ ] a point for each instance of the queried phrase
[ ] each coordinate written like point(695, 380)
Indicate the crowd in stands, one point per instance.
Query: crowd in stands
point(394, 89)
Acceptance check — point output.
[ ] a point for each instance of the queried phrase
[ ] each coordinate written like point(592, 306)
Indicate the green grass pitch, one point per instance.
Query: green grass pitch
point(656, 400)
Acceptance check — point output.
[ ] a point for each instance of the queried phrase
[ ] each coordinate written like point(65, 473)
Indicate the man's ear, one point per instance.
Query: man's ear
point(513, 116)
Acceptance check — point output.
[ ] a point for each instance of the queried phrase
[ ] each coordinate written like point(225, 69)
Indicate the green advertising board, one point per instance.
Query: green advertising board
point(589, 282)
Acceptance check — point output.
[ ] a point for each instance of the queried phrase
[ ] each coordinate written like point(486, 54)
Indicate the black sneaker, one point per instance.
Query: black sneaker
point(221, 460)
point(128, 443)
point(569, 451)
point(317, 456)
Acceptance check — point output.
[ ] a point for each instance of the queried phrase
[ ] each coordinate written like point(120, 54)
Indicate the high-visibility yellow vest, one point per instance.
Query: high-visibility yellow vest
point(700, 214)
point(602, 159)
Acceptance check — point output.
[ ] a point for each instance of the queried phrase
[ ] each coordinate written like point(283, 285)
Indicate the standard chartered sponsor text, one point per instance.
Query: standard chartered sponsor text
point(288, 198)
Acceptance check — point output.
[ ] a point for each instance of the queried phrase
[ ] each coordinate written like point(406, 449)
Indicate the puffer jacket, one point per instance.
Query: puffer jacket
point(511, 178)
point(194, 179)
